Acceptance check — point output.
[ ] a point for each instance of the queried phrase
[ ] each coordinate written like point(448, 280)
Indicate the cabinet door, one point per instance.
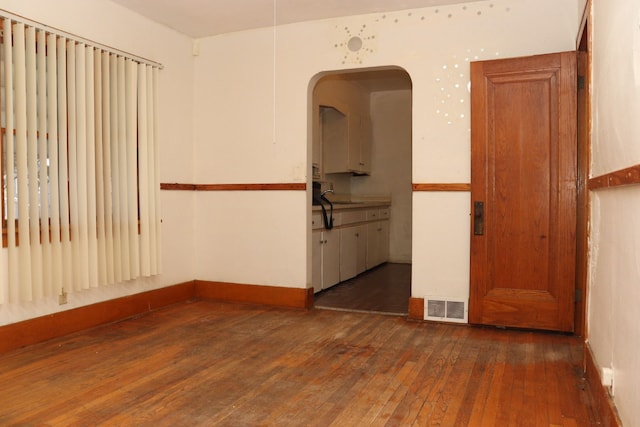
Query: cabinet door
point(383, 241)
point(353, 251)
point(354, 142)
point(366, 140)
point(372, 245)
point(377, 243)
point(359, 143)
point(348, 253)
point(335, 140)
point(316, 260)
point(330, 258)
point(361, 250)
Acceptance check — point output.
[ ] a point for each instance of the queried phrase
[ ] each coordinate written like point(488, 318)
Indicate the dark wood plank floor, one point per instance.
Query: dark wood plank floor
point(385, 289)
point(207, 363)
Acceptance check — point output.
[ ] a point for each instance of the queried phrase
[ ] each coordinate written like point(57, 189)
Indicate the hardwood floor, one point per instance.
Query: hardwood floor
point(208, 363)
point(385, 289)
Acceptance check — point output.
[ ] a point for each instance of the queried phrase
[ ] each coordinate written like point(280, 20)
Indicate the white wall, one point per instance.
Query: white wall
point(251, 125)
point(614, 294)
point(111, 25)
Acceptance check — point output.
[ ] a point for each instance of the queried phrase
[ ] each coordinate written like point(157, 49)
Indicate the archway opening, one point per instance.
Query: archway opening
point(361, 142)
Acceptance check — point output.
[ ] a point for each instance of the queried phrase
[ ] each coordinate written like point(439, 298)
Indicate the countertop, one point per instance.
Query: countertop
point(343, 205)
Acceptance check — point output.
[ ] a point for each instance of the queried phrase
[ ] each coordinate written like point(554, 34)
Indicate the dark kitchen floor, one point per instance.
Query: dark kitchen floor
point(385, 289)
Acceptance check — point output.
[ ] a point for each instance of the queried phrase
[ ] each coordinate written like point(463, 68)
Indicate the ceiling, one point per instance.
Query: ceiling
point(202, 18)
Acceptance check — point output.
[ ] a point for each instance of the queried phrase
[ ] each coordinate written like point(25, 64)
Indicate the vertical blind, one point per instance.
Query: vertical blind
point(79, 162)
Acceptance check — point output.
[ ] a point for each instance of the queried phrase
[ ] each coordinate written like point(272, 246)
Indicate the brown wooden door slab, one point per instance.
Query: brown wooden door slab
point(523, 189)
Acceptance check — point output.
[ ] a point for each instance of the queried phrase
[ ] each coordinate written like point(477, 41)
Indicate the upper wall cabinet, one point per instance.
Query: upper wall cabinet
point(359, 143)
point(346, 141)
point(334, 128)
point(343, 136)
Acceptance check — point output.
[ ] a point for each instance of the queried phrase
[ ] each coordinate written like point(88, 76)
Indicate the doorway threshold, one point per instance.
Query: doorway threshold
point(383, 290)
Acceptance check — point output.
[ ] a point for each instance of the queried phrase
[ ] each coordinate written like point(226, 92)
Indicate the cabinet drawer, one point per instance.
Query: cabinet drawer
point(373, 214)
point(351, 217)
point(384, 213)
point(316, 221)
point(337, 218)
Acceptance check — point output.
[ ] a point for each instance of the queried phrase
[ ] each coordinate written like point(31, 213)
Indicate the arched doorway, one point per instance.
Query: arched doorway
point(362, 179)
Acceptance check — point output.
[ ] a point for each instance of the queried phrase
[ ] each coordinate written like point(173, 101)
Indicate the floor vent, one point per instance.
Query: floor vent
point(446, 309)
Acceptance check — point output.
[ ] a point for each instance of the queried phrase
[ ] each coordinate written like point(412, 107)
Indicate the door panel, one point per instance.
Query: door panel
point(524, 172)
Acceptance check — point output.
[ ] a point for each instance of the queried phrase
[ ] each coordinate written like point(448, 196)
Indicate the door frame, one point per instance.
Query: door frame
point(583, 142)
point(583, 207)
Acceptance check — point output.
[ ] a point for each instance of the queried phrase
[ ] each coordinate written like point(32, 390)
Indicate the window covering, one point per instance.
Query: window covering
point(80, 164)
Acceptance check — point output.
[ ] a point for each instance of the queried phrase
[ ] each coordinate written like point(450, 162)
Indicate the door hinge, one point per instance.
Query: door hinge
point(578, 295)
point(581, 82)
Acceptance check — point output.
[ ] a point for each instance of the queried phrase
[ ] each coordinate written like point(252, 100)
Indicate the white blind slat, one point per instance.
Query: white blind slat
point(106, 148)
point(52, 140)
point(13, 294)
point(80, 181)
point(43, 160)
point(76, 222)
point(122, 172)
point(99, 173)
point(33, 215)
point(156, 173)
point(63, 175)
point(143, 171)
point(90, 168)
point(20, 90)
point(132, 164)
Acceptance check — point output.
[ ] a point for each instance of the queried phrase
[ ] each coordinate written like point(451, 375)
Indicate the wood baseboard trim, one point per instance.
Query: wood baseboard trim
point(39, 329)
point(32, 331)
point(604, 404)
point(255, 294)
point(416, 308)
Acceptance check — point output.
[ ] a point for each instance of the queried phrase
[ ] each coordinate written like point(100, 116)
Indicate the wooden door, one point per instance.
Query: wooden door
point(523, 192)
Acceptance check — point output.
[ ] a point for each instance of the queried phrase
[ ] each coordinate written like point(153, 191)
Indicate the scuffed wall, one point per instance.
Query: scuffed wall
point(614, 282)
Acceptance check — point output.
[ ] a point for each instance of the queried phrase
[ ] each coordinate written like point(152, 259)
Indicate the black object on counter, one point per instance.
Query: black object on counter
point(320, 200)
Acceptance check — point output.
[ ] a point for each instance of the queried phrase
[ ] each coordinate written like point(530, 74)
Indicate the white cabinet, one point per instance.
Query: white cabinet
point(359, 241)
point(325, 259)
point(335, 140)
point(346, 141)
point(316, 260)
point(353, 251)
point(359, 160)
point(316, 221)
point(377, 241)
